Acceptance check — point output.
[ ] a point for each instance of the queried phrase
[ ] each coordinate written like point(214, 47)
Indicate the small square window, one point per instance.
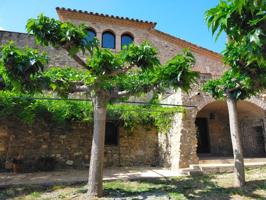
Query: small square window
point(111, 134)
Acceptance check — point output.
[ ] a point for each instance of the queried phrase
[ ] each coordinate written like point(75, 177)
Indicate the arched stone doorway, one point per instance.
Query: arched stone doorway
point(213, 131)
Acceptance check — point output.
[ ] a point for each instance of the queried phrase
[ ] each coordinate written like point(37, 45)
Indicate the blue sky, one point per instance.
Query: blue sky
point(183, 19)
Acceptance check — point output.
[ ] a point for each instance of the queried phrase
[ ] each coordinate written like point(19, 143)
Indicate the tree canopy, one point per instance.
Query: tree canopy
point(101, 73)
point(20, 68)
point(244, 22)
point(133, 70)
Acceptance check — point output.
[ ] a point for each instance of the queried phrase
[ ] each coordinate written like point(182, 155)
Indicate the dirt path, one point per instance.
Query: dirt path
point(80, 176)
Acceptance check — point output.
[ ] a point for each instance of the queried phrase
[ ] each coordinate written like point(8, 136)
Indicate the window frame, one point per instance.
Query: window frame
point(127, 34)
point(92, 30)
point(111, 33)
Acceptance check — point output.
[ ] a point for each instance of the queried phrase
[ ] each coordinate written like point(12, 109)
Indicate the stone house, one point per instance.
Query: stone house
point(202, 131)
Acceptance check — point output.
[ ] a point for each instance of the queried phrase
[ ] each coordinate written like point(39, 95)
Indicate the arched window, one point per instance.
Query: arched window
point(91, 34)
point(108, 40)
point(126, 39)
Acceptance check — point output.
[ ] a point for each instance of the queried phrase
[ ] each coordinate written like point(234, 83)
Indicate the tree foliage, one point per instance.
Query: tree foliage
point(105, 76)
point(59, 34)
point(136, 69)
point(133, 70)
point(20, 68)
point(244, 22)
point(29, 110)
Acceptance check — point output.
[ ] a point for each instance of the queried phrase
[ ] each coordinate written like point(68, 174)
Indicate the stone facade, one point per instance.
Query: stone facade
point(252, 120)
point(70, 145)
point(179, 147)
point(57, 57)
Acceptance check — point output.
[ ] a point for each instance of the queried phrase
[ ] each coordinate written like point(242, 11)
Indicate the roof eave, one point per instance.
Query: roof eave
point(61, 10)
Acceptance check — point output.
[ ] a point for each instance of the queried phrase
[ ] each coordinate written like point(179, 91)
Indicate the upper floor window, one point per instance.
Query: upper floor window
point(126, 39)
point(108, 40)
point(91, 34)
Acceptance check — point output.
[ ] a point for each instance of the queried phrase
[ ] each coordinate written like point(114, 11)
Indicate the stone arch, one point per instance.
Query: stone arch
point(213, 131)
point(128, 33)
point(202, 102)
point(258, 101)
point(90, 28)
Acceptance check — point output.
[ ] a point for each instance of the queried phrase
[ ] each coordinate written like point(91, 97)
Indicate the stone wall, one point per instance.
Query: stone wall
point(56, 57)
point(220, 139)
point(70, 145)
point(218, 130)
point(253, 137)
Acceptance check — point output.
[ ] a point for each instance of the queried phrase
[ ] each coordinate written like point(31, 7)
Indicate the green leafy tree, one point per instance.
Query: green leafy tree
point(244, 22)
point(103, 75)
point(19, 68)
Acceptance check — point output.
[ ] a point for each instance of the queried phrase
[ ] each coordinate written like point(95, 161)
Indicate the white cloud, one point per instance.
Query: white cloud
point(1, 28)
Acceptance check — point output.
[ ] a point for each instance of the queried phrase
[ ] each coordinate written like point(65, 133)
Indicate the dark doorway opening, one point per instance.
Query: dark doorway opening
point(202, 135)
point(111, 134)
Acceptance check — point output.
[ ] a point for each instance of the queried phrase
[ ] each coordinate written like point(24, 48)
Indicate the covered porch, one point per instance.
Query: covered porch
point(214, 147)
point(213, 131)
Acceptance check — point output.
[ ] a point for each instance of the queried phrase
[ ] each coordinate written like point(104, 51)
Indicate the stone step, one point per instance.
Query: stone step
point(190, 172)
point(229, 160)
point(221, 168)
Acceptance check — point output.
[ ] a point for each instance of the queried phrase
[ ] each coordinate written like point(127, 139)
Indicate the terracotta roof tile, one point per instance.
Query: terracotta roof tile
point(105, 15)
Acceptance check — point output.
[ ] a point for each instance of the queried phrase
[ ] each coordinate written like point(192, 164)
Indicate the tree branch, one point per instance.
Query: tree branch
point(78, 83)
point(123, 94)
point(114, 94)
point(76, 58)
point(80, 88)
point(121, 71)
point(80, 61)
point(233, 89)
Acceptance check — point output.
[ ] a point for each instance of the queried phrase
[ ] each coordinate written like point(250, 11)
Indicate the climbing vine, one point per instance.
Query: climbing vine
point(25, 108)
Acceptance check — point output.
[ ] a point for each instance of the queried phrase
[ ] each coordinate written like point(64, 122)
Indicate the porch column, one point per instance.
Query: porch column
point(178, 147)
point(188, 140)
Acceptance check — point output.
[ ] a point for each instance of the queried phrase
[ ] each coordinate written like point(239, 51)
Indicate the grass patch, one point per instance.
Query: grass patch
point(207, 187)
point(35, 194)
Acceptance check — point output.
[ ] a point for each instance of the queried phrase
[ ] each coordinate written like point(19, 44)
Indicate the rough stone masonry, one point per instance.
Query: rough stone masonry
point(178, 148)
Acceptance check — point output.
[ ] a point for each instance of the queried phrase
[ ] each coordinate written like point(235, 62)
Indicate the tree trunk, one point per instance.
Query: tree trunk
point(236, 142)
point(95, 181)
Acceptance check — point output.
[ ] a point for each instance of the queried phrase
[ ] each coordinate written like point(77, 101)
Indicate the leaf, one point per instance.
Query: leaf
point(53, 86)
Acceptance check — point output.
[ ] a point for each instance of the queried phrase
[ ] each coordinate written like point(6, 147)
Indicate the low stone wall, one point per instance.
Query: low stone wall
point(70, 145)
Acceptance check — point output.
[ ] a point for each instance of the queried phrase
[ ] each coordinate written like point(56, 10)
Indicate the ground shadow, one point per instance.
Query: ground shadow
point(193, 187)
point(13, 192)
point(197, 187)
